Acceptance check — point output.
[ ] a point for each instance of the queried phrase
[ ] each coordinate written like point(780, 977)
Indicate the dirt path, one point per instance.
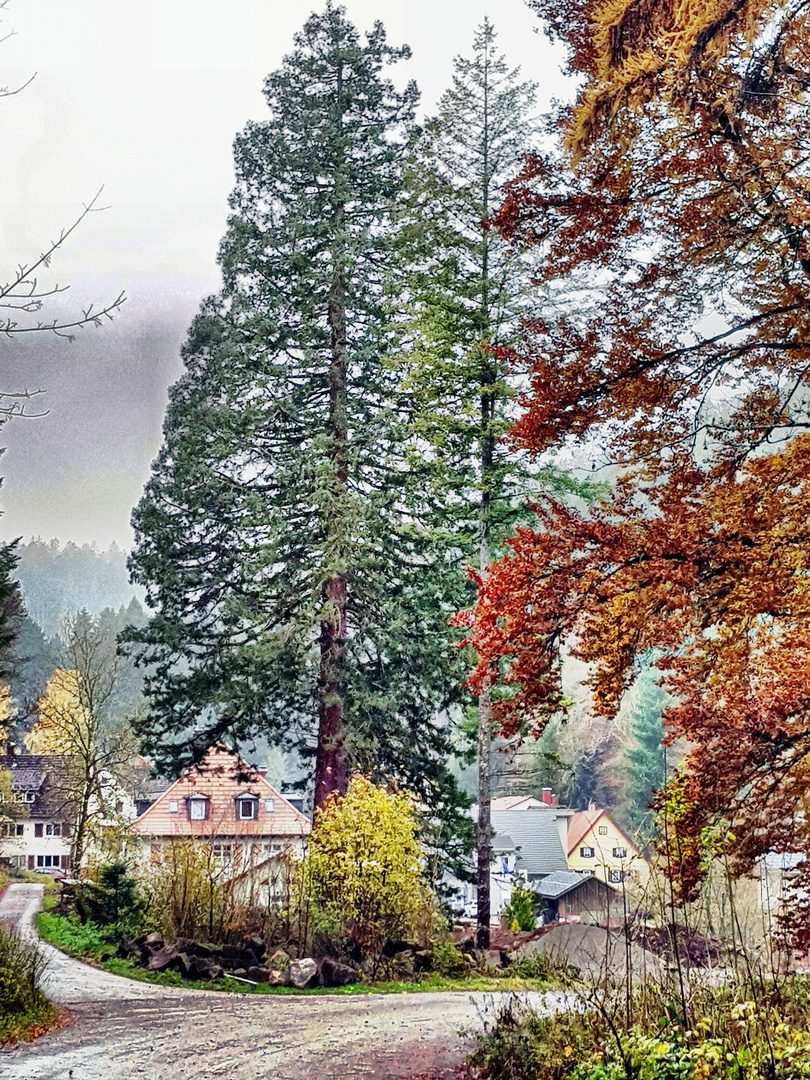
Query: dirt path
point(118, 1029)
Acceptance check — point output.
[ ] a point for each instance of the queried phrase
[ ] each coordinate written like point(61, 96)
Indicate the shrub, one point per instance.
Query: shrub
point(520, 909)
point(112, 901)
point(447, 960)
point(362, 872)
point(22, 1003)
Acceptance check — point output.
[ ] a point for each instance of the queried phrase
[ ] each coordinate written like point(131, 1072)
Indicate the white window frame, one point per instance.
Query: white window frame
point(244, 802)
point(620, 853)
point(587, 853)
point(53, 829)
point(269, 806)
point(603, 830)
point(198, 808)
point(616, 877)
point(172, 806)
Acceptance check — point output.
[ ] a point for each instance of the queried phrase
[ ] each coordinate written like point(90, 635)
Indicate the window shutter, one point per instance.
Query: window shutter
point(38, 828)
point(65, 862)
point(30, 862)
point(65, 828)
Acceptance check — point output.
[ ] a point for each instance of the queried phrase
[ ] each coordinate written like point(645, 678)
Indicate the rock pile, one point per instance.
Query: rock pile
point(249, 961)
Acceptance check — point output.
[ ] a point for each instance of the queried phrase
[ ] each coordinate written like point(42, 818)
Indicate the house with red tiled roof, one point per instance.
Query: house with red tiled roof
point(230, 805)
point(597, 845)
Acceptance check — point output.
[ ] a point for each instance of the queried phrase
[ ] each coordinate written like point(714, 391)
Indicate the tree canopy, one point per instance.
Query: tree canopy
point(676, 201)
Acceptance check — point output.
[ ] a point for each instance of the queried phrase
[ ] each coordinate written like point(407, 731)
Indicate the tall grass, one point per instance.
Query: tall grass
point(23, 1006)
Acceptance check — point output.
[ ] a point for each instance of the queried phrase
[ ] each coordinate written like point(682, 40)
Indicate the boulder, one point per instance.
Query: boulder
point(255, 944)
point(201, 967)
point(161, 959)
point(154, 940)
point(231, 952)
point(279, 978)
point(258, 974)
point(248, 959)
point(335, 974)
point(279, 961)
point(303, 974)
point(423, 960)
point(216, 973)
point(239, 973)
point(181, 964)
point(205, 949)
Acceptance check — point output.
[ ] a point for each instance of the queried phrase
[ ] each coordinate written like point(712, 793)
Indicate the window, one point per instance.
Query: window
point(48, 860)
point(11, 830)
point(172, 807)
point(616, 876)
point(269, 806)
point(246, 808)
point(53, 830)
point(586, 852)
point(198, 807)
point(620, 853)
point(603, 830)
point(222, 852)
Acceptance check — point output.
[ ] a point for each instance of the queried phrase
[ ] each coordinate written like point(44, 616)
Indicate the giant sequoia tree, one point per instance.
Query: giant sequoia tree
point(681, 189)
point(295, 587)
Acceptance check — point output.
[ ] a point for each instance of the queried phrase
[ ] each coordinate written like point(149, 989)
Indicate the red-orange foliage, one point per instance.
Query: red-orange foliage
point(680, 206)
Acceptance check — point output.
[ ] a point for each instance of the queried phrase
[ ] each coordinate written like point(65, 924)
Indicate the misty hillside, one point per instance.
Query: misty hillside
point(58, 580)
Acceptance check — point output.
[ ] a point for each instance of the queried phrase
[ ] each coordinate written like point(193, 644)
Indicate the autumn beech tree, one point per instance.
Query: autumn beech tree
point(677, 201)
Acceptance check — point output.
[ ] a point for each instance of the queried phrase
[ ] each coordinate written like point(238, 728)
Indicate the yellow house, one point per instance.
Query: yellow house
point(597, 845)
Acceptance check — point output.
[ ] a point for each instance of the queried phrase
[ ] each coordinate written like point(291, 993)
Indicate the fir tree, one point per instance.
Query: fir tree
point(297, 592)
point(647, 758)
point(466, 299)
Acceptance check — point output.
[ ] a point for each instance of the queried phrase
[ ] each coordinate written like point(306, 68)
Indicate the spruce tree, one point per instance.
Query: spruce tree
point(296, 591)
point(647, 757)
point(466, 299)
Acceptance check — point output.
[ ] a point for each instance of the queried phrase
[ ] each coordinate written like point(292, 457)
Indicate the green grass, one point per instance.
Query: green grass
point(88, 943)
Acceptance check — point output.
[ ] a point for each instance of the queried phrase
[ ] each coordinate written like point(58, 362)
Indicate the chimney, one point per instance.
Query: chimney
point(555, 800)
point(262, 771)
point(546, 795)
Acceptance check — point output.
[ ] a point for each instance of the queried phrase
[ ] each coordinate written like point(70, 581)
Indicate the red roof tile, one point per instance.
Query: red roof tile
point(221, 777)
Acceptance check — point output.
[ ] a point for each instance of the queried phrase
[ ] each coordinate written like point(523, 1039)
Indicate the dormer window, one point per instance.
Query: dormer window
point(198, 807)
point(247, 807)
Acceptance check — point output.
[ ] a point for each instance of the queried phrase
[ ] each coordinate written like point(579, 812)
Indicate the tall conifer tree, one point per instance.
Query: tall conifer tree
point(295, 591)
point(467, 298)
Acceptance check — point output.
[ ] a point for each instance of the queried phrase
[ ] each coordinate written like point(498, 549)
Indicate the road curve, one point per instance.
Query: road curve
point(118, 1029)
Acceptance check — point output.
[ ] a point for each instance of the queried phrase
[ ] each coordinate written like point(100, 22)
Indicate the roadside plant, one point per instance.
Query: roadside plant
point(519, 912)
point(362, 873)
point(22, 1003)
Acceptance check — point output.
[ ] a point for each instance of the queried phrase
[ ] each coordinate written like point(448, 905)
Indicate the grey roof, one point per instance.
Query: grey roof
point(536, 838)
point(560, 883)
point(503, 843)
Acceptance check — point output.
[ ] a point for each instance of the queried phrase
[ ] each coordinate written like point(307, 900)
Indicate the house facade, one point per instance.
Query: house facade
point(596, 845)
point(229, 804)
point(35, 815)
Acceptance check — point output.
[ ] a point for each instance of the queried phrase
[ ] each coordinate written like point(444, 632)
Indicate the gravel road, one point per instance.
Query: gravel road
point(118, 1029)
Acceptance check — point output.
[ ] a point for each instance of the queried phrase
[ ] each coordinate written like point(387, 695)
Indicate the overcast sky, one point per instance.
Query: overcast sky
point(145, 98)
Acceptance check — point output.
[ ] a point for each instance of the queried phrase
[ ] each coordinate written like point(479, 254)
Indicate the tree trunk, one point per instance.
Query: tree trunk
point(331, 771)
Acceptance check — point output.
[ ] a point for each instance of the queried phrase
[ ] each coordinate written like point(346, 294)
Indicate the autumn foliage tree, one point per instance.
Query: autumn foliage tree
point(677, 201)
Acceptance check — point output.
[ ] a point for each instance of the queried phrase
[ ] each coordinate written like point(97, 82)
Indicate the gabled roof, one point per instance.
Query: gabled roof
point(222, 776)
point(580, 825)
point(503, 803)
point(536, 838)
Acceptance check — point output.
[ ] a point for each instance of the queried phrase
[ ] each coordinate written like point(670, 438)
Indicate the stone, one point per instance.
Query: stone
point(181, 964)
point(303, 973)
point(204, 948)
point(248, 959)
point(258, 974)
point(201, 968)
point(161, 959)
point(255, 944)
point(423, 960)
point(279, 961)
point(216, 973)
point(279, 978)
point(335, 974)
point(239, 973)
point(154, 940)
point(232, 952)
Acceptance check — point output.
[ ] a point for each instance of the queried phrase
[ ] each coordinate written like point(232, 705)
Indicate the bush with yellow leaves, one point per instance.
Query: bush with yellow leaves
point(362, 872)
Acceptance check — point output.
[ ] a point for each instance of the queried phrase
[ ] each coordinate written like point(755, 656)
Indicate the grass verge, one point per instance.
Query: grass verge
point(88, 943)
point(25, 1012)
